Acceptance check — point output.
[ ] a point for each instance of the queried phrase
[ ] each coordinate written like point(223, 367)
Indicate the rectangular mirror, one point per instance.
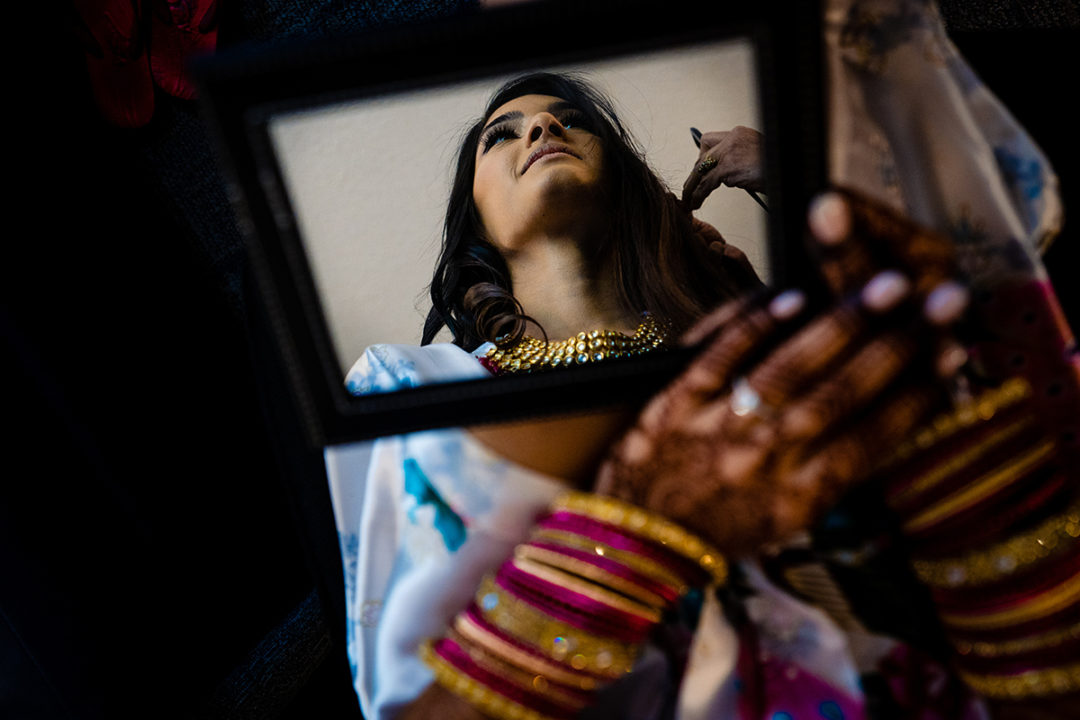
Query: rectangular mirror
point(343, 154)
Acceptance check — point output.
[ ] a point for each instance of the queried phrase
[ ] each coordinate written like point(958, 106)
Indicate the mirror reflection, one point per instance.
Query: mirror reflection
point(547, 237)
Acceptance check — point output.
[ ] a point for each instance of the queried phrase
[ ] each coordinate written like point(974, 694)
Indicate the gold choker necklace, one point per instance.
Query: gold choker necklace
point(530, 355)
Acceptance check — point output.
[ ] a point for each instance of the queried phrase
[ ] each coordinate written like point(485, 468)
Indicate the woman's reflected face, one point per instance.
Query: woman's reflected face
point(539, 166)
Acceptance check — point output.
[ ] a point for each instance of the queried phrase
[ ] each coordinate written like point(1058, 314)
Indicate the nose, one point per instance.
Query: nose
point(543, 124)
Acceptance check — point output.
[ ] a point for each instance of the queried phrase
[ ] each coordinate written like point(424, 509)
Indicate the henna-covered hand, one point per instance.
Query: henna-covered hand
point(746, 451)
point(857, 238)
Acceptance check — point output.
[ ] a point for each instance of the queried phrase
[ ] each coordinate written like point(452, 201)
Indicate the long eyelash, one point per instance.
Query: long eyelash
point(573, 117)
point(568, 118)
point(493, 135)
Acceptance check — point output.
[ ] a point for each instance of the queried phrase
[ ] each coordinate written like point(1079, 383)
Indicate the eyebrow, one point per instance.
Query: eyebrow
point(512, 115)
point(517, 114)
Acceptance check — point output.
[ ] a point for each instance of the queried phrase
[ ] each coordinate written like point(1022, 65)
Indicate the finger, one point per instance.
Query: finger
point(951, 356)
point(946, 303)
point(712, 139)
point(747, 404)
point(731, 158)
point(877, 237)
point(927, 256)
point(852, 455)
point(709, 181)
point(784, 307)
point(696, 174)
point(689, 186)
point(806, 355)
point(884, 291)
point(842, 225)
point(845, 264)
point(802, 359)
point(712, 370)
point(853, 386)
point(712, 323)
point(701, 181)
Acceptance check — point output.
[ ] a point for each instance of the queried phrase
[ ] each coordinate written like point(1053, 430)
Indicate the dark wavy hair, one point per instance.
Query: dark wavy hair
point(659, 262)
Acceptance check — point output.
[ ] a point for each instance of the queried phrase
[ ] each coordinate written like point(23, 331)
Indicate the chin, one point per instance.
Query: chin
point(561, 184)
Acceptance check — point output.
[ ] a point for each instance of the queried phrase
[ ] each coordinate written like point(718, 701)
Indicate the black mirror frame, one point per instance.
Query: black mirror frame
point(242, 89)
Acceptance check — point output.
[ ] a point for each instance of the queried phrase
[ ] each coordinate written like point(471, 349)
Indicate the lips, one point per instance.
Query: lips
point(543, 150)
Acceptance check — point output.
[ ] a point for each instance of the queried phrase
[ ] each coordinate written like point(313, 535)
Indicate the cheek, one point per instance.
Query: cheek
point(490, 199)
point(482, 192)
point(599, 160)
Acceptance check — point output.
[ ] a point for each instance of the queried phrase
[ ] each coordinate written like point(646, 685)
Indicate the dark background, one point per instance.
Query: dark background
point(156, 544)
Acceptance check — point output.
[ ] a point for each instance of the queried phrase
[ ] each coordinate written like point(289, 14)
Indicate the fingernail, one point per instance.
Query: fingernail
point(787, 304)
point(829, 219)
point(946, 303)
point(885, 290)
point(952, 358)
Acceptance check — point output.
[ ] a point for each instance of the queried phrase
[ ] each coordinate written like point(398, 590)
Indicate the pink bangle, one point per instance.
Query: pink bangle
point(618, 538)
point(453, 654)
point(666, 593)
point(519, 676)
point(640, 523)
point(643, 566)
point(472, 625)
point(572, 608)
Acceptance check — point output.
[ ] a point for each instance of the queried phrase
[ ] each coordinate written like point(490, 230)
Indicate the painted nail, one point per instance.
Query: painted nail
point(885, 290)
point(951, 359)
point(787, 304)
point(830, 219)
point(946, 303)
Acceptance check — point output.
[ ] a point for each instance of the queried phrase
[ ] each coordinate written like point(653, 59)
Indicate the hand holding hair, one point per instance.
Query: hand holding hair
point(731, 158)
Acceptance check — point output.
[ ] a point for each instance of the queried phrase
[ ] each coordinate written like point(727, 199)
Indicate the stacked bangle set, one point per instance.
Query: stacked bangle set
point(994, 529)
point(569, 611)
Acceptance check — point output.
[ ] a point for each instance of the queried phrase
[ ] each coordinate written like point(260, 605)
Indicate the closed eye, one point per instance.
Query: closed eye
point(572, 118)
point(496, 134)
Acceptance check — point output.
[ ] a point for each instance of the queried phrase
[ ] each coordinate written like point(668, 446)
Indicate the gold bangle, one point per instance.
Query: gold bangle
point(638, 563)
point(982, 487)
point(588, 589)
point(559, 641)
point(518, 677)
point(983, 408)
point(648, 525)
point(476, 694)
point(1047, 603)
point(1042, 641)
point(1033, 683)
point(592, 573)
point(935, 475)
point(1001, 560)
point(516, 656)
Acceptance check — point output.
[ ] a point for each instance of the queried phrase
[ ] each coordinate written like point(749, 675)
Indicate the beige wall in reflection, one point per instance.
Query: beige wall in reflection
point(368, 181)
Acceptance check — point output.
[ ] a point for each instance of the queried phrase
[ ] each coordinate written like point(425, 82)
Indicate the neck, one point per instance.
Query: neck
point(555, 287)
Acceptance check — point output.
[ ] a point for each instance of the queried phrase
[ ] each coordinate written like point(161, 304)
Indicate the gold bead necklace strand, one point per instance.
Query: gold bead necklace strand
point(530, 355)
